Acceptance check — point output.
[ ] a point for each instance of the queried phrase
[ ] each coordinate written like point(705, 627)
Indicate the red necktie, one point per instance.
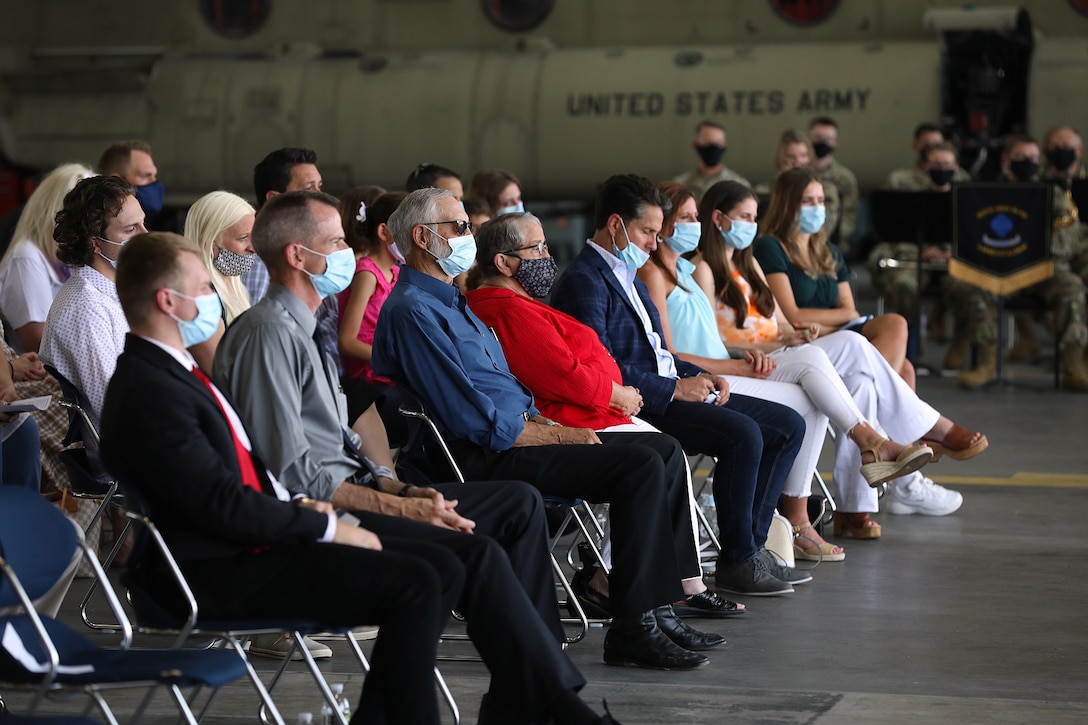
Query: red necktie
point(245, 461)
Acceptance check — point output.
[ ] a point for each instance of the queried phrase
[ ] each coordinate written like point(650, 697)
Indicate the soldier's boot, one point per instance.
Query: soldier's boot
point(1074, 371)
point(957, 354)
point(984, 372)
point(1026, 347)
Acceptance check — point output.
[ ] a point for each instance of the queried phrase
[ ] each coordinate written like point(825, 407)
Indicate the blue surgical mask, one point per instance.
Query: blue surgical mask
point(812, 218)
point(150, 197)
point(633, 256)
point(685, 237)
point(339, 270)
point(113, 262)
point(519, 207)
point(209, 310)
point(462, 254)
point(740, 234)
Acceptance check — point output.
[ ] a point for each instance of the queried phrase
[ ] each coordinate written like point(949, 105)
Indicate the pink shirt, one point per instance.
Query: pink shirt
point(355, 367)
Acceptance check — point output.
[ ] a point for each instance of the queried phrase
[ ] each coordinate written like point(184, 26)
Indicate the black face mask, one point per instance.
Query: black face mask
point(1024, 170)
point(536, 276)
point(711, 153)
point(941, 177)
point(822, 150)
point(1061, 159)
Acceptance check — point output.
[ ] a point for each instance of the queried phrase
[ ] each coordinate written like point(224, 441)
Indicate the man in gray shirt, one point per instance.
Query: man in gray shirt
point(287, 393)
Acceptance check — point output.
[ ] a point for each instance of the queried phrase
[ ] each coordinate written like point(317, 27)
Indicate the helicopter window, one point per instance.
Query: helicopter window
point(235, 18)
point(517, 15)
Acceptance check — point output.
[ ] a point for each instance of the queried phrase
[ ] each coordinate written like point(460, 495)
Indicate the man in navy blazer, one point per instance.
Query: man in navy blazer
point(755, 441)
point(246, 548)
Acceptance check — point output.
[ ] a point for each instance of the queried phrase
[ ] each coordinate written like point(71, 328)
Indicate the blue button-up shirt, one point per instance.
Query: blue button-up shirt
point(430, 342)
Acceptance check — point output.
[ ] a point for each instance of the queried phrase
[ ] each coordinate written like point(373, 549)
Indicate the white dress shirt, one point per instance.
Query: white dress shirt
point(666, 365)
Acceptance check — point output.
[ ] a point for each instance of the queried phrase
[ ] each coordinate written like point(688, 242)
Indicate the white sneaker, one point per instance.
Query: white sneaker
point(276, 646)
point(359, 633)
point(919, 495)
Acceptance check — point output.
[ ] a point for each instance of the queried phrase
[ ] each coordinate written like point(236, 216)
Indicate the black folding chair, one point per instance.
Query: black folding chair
point(87, 484)
point(414, 461)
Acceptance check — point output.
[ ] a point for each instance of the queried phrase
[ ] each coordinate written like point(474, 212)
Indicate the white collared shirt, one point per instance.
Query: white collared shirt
point(666, 365)
point(186, 361)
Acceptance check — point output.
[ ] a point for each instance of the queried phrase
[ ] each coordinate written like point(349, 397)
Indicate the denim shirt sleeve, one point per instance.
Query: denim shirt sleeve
point(453, 364)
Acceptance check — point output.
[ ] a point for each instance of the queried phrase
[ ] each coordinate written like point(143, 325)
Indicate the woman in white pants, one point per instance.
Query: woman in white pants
point(749, 319)
point(810, 385)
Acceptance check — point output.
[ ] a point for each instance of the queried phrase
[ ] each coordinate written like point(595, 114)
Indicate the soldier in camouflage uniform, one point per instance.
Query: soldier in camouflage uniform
point(1064, 151)
point(1063, 294)
point(899, 285)
point(710, 146)
point(823, 134)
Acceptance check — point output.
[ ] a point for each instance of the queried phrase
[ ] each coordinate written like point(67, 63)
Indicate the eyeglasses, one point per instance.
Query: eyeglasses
point(540, 248)
point(463, 227)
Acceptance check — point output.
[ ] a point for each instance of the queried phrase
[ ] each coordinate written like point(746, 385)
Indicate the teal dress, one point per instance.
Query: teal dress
point(821, 293)
point(691, 318)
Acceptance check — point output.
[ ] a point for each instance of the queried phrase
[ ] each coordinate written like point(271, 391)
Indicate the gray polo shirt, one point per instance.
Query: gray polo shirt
point(269, 365)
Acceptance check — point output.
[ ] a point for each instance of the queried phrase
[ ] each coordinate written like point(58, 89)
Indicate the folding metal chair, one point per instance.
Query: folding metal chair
point(86, 484)
point(41, 654)
point(416, 450)
point(153, 617)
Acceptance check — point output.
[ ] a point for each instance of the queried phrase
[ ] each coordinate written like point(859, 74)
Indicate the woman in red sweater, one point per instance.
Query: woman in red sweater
point(570, 373)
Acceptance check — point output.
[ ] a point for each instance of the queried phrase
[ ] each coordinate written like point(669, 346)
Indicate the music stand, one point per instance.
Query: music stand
point(918, 217)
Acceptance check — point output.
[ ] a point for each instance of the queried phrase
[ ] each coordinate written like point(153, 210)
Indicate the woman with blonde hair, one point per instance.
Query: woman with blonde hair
point(30, 273)
point(221, 223)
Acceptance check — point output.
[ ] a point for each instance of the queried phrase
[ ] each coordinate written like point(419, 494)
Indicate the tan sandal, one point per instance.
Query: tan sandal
point(816, 552)
point(957, 444)
point(856, 526)
point(909, 460)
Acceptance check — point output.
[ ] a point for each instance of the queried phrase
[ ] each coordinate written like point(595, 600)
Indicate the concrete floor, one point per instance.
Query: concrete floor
point(970, 618)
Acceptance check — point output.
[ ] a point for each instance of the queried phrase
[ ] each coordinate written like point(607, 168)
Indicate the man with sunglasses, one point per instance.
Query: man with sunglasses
point(431, 344)
point(287, 393)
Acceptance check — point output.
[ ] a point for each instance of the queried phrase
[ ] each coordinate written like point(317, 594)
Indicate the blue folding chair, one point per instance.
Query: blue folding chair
point(182, 619)
point(43, 655)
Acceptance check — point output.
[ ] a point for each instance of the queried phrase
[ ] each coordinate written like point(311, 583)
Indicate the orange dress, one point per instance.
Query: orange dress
point(757, 328)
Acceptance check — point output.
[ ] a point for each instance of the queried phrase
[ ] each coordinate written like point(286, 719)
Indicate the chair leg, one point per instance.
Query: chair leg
point(581, 618)
point(440, 682)
point(268, 707)
point(319, 678)
point(83, 605)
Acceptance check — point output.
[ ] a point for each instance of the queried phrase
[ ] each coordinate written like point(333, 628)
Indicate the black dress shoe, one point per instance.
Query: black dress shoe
point(639, 642)
point(595, 604)
point(682, 634)
point(707, 605)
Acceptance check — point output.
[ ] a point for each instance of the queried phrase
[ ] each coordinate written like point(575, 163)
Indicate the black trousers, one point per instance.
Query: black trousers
point(627, 472)
point(508, 597)
point(407, 589)
point(755, 442)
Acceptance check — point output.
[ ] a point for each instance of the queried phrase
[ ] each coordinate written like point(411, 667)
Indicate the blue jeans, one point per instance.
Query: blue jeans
point(21, 457)
point(755, 442)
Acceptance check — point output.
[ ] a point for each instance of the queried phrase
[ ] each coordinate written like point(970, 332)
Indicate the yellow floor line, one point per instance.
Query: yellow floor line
point(1025, 479)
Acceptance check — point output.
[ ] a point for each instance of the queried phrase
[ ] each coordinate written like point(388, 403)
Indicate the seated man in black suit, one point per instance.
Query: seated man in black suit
point(287, 391)
point(246, 548)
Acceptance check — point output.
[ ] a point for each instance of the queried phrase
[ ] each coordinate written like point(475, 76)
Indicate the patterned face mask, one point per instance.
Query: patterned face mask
point(232, 264)
point(537, 276)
